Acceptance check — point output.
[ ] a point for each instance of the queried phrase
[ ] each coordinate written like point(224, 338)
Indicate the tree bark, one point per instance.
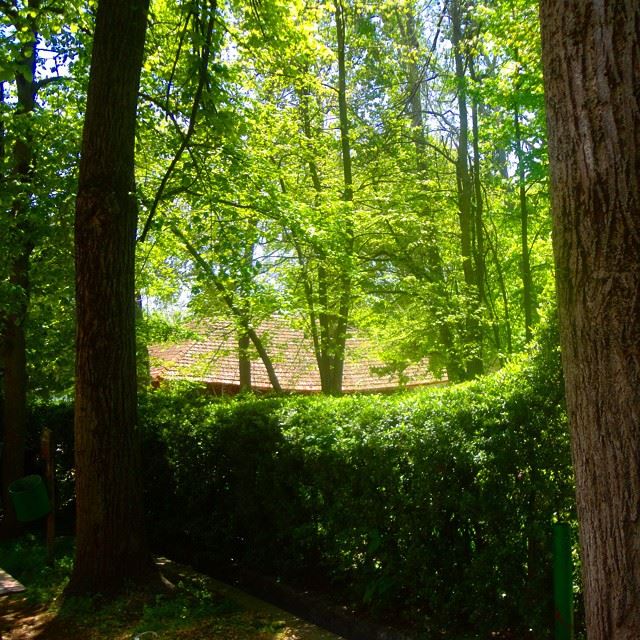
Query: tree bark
point(473, 338)
point(478, 210)
point(14, 408)
point(409, 31)
point(463, 173)
point(244, 362)
point(339, 335)
point(13, 338)
point(591, 56)
point(111, 547)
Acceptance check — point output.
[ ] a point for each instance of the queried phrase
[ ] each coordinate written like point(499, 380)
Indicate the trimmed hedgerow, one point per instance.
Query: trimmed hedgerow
point(432, 508)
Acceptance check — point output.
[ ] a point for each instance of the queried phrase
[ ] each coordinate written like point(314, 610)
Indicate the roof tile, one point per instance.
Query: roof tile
point(214, 360)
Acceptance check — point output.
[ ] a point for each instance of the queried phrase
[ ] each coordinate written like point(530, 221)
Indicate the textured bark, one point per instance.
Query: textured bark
point(591, 55)
point(110, 542)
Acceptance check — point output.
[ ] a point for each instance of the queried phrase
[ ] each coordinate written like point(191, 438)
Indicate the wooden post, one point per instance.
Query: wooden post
point(47, 453)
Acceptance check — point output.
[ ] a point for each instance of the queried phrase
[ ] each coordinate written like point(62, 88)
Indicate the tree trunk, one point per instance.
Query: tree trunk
point(409, 30)
point(463, 174)
point(244, 362)
point(13, 338)
point(591, 56)
point(111, 547)
point(473, 337)
point(316, 300)
point(478, 213)
point(322, 317)
point(14, 409)
point(525, 265)
point(339, 337)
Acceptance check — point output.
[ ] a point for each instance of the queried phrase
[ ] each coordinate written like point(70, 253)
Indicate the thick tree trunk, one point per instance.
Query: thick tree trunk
point(110, 542)
point(591, 55)
point(14, 409)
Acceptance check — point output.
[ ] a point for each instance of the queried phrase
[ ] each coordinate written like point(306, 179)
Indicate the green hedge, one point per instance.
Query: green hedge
point(430, 508)
point(434, 507)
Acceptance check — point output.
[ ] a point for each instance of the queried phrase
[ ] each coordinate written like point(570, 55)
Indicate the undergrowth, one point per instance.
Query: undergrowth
point(196, 610)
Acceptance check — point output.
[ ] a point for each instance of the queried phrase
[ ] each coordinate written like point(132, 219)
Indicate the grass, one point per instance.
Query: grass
point(26, 560)
point(198, 608)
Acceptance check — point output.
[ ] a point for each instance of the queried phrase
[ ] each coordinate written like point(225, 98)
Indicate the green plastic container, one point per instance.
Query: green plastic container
point(30, 498)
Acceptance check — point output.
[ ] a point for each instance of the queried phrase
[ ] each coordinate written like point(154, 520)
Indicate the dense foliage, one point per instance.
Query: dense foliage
point(376, 165)
point(433, 508)
point(441, 247)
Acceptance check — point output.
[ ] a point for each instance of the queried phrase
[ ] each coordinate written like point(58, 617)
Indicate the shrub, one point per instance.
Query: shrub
point(431, 507)
point(434, 506)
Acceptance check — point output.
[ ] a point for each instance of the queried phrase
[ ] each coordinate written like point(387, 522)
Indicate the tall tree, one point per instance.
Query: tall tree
point(12, 337)
point(525, 268)
point(465, 195)
point(591, 56)
point(110, 543)
point(336, 331)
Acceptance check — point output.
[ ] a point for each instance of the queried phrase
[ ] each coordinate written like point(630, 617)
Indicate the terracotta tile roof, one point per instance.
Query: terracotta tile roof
point(213, 360)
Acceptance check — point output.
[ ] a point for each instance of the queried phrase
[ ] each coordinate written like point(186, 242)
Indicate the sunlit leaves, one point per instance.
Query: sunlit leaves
point(257, 188)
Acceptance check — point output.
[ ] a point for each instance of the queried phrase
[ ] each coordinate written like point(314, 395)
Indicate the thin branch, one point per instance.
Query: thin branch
point(175, 61)
point(236, 311)
point(197, 99)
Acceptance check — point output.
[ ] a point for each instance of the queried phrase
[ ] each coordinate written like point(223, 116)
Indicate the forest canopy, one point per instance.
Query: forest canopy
point(378, 167)
point(371, 165)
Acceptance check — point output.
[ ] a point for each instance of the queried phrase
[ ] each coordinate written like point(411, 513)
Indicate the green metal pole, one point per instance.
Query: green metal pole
point(562, 581)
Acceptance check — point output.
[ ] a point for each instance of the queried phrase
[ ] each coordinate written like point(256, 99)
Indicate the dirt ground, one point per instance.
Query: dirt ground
point(247, 618)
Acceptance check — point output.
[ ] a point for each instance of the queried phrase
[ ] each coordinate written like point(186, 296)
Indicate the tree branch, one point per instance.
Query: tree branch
point(197, 99)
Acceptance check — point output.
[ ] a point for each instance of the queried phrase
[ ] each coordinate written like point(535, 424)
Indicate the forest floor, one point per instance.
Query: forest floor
point(200, 607)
